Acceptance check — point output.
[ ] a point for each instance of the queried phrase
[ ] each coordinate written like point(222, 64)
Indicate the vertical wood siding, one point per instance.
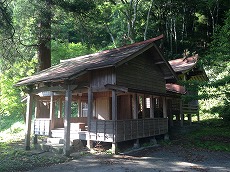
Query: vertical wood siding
point(123, 130)
point(141, 73)
point(101, 77)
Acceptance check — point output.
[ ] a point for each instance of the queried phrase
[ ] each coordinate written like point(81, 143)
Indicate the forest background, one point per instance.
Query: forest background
point(35, 34)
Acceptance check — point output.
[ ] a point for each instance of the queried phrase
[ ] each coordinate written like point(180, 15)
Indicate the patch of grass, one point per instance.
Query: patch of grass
point(212, 135)
point(13, 157)
point(6, 122)
point(165, 142)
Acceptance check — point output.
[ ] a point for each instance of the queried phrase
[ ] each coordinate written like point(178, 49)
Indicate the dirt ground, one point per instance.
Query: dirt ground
point(160, 159)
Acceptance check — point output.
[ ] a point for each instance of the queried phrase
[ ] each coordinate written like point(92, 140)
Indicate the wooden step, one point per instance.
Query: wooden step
point(59, 133)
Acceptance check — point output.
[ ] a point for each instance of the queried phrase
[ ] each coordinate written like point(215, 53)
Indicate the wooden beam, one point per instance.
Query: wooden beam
point(28, 121)
point(42, 89)
point(55, 88)
point(116, 87)
point(68, 99)
point(160, 62)
point(169, 77)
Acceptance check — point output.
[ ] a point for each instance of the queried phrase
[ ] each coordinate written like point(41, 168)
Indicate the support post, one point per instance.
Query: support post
point(52, 105)
point(68, 99)
point(181, 115)
point(170, 112)
point(36, 109)
point(153, 141)
point(136, 145)
point(114, 118)
point(190, 119)
point(198, 116)
point(79, 107)
point(28, 121)
point(36, 115)
point(164, 108)
point(151, 107)
point(60, 108)
point(135, 106)
point(89, 114)
point(143, 106)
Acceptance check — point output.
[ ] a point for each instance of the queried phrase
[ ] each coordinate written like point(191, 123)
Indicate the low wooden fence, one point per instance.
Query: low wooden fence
point(42, 126)
point(122, 130)
point(187, 108)
point(190, 109)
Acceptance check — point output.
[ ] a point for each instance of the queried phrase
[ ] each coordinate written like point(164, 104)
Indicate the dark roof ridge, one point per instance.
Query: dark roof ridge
point(115, 49)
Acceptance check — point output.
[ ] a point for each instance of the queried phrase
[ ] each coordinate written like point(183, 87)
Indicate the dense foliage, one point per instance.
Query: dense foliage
point(32, 32)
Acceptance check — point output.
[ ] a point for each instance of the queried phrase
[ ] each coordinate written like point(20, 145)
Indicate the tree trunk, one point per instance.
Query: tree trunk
point(44, 55)
point(147, 20)
point(44, 39)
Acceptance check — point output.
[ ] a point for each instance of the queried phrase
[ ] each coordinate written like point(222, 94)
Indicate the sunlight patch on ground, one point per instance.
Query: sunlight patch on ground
point(190, 165)
point(14, 133)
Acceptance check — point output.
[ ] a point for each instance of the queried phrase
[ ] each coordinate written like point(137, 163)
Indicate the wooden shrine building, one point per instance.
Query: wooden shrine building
point(111, 96)
point(186, 69)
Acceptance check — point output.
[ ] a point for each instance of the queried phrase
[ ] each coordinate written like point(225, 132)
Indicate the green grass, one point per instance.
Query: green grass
point(13, 157)
point(17, 159)
point(212, 135)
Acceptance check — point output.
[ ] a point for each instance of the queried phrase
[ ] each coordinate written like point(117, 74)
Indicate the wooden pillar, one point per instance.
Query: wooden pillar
point(114, 118)
point(143, 106)
point(52, 106)
point(79, 107)
point(60, 108)
point(181, 115)
point(36, 115)
point(151, 107)
point(190, 119)
point(164, 108)
point(36, 109)
point(114, 105)
point(68, 99)
point(28, 121)
point(135, 106)
point(89, 114)
point(170, 115)
point(198, 116)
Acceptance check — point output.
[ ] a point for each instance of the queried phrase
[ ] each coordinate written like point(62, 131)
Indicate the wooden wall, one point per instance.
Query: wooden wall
point(141, 73)
point(101, 77)
point(102, 108)
point(124, 107)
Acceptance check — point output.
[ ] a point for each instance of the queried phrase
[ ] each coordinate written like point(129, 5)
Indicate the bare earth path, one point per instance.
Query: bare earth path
point(160, 159)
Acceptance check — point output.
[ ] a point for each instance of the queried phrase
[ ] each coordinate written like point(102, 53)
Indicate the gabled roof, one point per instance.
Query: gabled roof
point(175, 88)
point(71, 68)
point(189, 67)
point(184, 64)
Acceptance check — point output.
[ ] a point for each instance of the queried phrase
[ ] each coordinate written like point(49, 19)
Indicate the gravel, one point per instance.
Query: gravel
point(160, 159)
